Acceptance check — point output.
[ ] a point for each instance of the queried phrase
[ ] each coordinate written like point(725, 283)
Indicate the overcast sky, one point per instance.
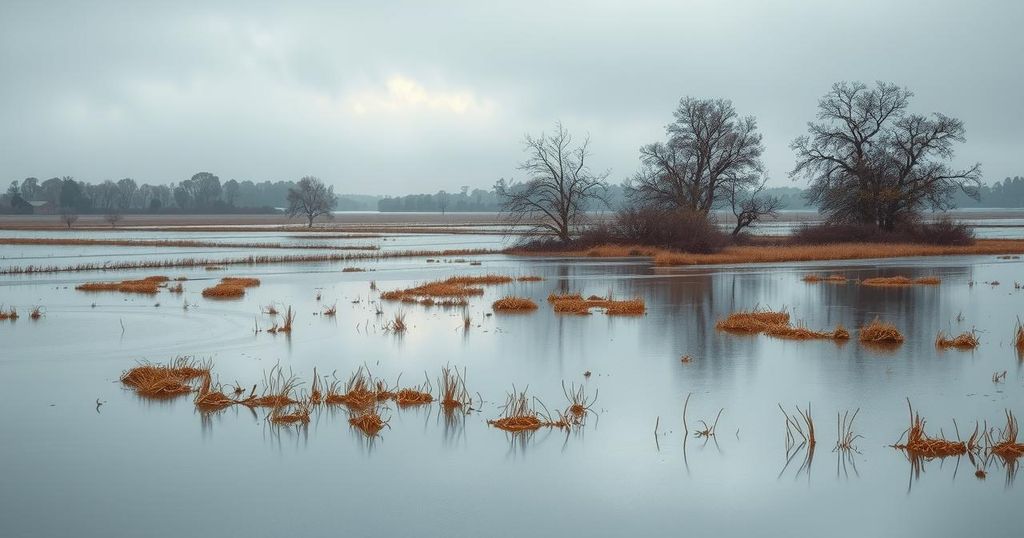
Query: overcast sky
point(396, 97)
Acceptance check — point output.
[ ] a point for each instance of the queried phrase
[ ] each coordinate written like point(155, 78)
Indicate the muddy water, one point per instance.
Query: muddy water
point(132, 467)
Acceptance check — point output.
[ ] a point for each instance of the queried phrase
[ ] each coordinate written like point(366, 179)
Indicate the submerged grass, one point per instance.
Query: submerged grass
point(921, 445)
point(966, 340)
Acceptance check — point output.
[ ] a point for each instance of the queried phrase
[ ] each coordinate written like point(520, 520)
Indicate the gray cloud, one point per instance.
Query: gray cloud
point(398, 97)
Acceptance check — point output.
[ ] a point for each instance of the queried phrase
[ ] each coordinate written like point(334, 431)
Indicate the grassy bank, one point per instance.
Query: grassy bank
point(766, 253)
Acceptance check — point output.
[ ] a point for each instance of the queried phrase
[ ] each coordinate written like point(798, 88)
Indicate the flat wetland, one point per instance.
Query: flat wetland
point(86, 455)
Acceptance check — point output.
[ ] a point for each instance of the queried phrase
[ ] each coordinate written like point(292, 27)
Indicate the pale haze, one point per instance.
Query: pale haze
point(400, 97)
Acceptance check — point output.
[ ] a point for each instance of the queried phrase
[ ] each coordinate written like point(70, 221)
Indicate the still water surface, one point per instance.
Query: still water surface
point(140, 468)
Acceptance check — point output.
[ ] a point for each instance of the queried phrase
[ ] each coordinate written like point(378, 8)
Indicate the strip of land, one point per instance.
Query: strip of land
point(181, 243)
point(247, 260)
point(774, 253)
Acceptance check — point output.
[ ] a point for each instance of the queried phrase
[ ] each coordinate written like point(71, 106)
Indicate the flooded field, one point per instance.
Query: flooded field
point(85, 455)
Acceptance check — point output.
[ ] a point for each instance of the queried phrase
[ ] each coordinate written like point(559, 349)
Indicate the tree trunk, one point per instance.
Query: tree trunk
point(310, 217)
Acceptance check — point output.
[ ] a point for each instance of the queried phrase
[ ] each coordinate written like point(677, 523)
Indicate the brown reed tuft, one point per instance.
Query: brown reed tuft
point(879, 332)
point(10, 314)
point(368, 422)
point(298, 414)
point(513, 304)
point(896, 281)
point(453, 389)
point(1007, 447)
point(967, 340)
point(920, 445)
point(210, 397)
point(286, 323)
point(753, 321)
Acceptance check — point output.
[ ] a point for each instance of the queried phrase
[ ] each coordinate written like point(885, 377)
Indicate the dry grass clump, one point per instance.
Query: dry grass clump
point(165, 380)
point(897, 281)
point(419, 395)
point(453, 389)
point(777, 325)
point(35, 313)
point(834, 279)
point(286, 323)
point(529, 278)
point(397, 324)
point(920, 445)
point(1006, 446)
point(330, 310)
point(880, 332)
point(298, 414)
point(245, 282)
point(1019, 336)
point(368, 422)
point(224, 290)
point(177, 288)
point(801, 332)
point(149, 285)
point(277, 390)
point(211, 397)
point(579, 403)
point(557, 297)
point(519, 414)
point(753, 321)
point(270, 310)
point(359, 392)
point(514, 304)
point(353, 270)
point(453, 290)
point(574, 303)
point(10, 314)
point(967, 340)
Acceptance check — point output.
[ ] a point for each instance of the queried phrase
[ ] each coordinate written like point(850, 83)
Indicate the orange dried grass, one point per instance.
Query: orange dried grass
point(967, 340)
point(1007, 446)
point(165, 380)
point(879, 332)
point(224, 291)
point(11, 314)
point(897, 281)
point(513, 304)
point(453, 389)
point(834, 279)
point(920, 445)
point(753, 321)
point(368, 421)
point(245, 282)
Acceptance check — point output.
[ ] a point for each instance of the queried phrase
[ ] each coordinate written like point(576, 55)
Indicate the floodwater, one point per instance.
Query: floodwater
point(133, 467)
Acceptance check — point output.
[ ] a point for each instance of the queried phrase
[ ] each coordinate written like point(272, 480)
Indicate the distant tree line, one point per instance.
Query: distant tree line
point(202, 193)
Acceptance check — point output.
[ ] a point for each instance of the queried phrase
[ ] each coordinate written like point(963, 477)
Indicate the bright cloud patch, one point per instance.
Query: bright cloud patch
point(403, 93)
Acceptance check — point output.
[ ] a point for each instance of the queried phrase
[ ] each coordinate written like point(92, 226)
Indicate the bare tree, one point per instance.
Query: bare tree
point(711, 153)
point(751, 206)
point(559, 185)
point(112, 218)
point(869, 161)
point(68, 217)
point(311, 198)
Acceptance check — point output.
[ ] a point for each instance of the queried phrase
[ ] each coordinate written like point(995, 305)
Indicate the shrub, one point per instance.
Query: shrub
point(681, 230)
point(942, 232)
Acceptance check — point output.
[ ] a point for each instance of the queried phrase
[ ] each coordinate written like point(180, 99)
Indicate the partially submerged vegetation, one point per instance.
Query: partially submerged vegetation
point(899, 281)
point(880, 332)
point(919, 444)
point(512, 303)
point(574, 303)
point(230, 288)
point(214, 264)
point(776, 324)
point(965, 340)
point(148, 286)
point(175, 243)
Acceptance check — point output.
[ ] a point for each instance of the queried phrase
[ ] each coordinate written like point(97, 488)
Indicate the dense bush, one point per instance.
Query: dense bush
point(680, 230)
point(941, 232)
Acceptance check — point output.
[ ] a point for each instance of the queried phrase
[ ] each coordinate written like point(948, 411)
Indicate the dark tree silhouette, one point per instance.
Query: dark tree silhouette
point(869, 161)
point(558, 187)
point(311, 198)
point(751, 206)
point(710, 156)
